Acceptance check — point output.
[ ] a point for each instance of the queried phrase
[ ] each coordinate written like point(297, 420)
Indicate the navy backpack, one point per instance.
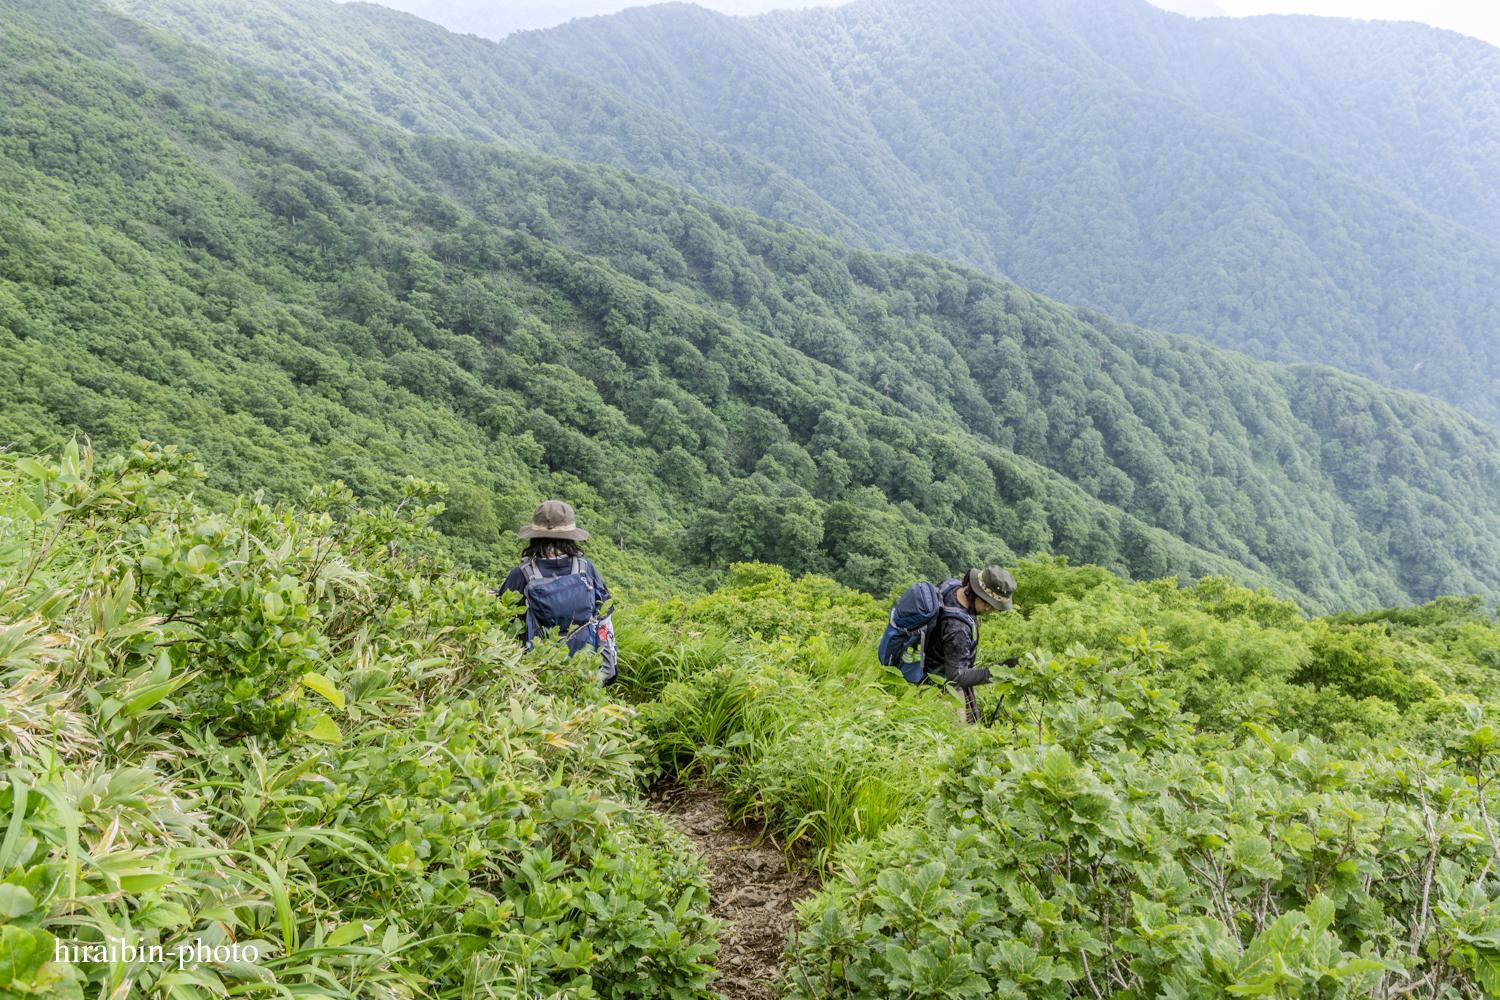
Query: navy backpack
point(567, 603)
point(903, 644)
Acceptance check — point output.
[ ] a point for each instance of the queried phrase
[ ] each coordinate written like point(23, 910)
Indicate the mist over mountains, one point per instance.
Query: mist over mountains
point(318, 251)
point(400, 72)
point(1300, 189)
point(495, 19)
point(1296, 188)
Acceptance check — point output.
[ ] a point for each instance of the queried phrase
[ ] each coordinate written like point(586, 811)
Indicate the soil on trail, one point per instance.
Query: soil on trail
point(751, 889)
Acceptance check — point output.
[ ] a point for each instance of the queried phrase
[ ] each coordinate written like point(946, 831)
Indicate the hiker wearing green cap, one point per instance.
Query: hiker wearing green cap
point(950, 648)
point(561, 590)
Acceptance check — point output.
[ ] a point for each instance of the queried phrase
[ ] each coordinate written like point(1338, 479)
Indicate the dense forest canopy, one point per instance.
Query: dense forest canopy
point(708, 385)
point(1298, 189)
point(1411, 110)
point(410, 75)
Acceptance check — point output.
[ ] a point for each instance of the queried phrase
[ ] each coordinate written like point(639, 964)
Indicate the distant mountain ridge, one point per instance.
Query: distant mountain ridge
point(401, 72)
point(1315, 196)
point(1192, 8)
point(495, 19)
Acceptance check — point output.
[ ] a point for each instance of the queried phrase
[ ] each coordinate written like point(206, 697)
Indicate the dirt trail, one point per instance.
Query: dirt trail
point(751, 889)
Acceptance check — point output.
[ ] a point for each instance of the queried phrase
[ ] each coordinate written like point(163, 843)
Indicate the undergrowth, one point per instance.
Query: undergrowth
point(271, 751)
point(286, 739)
point(1177, 792)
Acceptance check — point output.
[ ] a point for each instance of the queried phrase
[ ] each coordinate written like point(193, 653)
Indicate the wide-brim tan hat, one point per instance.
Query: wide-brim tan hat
point(993, 586)
point(554, 519)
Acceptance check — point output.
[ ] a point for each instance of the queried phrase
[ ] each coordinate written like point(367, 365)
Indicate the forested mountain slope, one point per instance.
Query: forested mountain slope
point(196, 255)
point(497, 18)
point(1411, 110)
point(1294, 201)
point(411, 75)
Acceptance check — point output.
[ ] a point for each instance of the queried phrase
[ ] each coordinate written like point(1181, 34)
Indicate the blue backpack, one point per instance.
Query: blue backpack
point(903, 644)
point(567, 603)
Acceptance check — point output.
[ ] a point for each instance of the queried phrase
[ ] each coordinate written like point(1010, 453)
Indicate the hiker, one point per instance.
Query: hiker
point(560, 589)
point(935, 630)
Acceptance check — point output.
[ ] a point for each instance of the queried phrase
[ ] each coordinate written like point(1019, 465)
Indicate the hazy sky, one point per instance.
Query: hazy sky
point(1480, 18)
point(496, 18)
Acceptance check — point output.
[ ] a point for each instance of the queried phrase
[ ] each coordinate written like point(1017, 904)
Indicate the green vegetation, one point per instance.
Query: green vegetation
point(290, 734)
point(379, 65)
point(1317, 826)
point(270, 707)
point(281, 733)
point(705, 386)
point(1255, 182)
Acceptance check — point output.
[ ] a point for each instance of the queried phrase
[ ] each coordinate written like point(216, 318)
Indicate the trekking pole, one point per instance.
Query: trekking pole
point(999, 700)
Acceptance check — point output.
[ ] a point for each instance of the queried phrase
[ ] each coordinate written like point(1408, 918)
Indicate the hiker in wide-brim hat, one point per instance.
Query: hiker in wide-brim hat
point(954, 643)
point(560, 589)
point(554, 519)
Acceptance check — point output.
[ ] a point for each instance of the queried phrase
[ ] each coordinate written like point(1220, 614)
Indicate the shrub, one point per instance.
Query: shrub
point(1097, 843)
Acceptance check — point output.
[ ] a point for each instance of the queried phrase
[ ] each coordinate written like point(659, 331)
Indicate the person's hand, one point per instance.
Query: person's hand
point(1011, 661)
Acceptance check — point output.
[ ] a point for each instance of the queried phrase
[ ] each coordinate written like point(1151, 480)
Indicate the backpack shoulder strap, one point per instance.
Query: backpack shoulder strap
point(531, 575)
point(586, 569)
point(969, 619)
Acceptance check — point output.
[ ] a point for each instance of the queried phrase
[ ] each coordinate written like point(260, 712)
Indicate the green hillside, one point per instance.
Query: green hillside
point(269, 733)
point(409, 75)
point(1331, 199)
point(707, 385)
point(275, 748)
point(1411, 110)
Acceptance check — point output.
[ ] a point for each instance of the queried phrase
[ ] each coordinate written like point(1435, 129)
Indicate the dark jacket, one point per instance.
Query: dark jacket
point(950, 646)
point(550, 569)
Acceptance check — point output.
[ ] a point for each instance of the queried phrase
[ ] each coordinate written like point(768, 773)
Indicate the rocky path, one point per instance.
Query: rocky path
point(751, 889)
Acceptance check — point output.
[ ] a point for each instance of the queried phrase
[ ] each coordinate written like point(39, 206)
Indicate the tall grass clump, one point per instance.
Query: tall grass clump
point(817, 738)
point(653, 653)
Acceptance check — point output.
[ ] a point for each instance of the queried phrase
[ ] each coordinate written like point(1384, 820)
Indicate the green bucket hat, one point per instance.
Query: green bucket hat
point(993, 586)
point(554, 519)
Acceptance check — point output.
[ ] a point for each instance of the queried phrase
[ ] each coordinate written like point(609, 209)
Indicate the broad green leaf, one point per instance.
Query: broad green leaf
point(1487, 970)
point(23, 952)
point(348, 932)
point(404, 857)
point(29, 507)
point(1320, 913)
point(325, 730)
point(325, 687)
point(15, 901)
point(144, 883)
point(148, 698)
point(290, 775)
